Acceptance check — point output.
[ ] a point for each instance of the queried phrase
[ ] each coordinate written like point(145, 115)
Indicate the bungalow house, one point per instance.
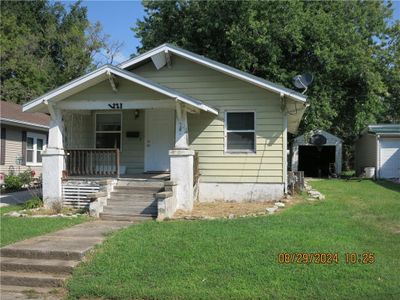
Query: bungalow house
point(217, 132)
point(23, 138)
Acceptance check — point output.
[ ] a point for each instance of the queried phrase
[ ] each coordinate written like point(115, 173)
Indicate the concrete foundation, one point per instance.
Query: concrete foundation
point(240, 192)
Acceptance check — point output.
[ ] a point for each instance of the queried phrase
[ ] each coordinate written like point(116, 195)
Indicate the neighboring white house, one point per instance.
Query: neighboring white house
point(153, 112)
point(318, 154)
point(379, 147)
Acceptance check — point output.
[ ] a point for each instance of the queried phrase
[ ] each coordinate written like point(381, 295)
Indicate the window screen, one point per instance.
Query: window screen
point(108, 131)
point(240, 132)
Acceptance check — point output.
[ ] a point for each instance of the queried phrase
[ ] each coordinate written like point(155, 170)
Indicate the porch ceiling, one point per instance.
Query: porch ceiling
point(41, 103)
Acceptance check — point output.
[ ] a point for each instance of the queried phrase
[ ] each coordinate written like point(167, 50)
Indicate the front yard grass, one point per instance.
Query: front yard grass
point(13, 229)
point(238, 259)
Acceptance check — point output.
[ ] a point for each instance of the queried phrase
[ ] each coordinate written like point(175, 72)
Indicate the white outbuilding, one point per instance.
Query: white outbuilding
point(378, 149)
point(318, 154)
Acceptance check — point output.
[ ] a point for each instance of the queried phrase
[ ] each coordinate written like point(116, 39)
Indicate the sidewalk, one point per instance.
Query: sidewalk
point(48, 260)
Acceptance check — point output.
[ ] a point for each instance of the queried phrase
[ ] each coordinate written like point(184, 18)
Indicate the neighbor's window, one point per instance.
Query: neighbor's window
point(34, 147)
point(108, 130)
point(240, 132)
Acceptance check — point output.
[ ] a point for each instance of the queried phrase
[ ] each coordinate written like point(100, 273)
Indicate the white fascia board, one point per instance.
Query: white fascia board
point(23, 124)
point(124, 74)
point(260, 82)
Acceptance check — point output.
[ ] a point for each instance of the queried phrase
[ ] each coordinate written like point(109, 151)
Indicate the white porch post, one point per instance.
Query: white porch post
point(181, 159)
point(181, 128)
point(53, 159)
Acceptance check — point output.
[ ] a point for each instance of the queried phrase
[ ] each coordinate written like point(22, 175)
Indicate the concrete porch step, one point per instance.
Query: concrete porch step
point(37, 265)
point(139, 184)
point(41, 254)
point(32, 279)
point(130, 205)
point(130, 211)
point(126, 217)
point(139, 188)
point(131, 202)
point(133, 194)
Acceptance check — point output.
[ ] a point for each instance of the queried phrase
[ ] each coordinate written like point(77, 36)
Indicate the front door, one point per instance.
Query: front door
point(160, 137)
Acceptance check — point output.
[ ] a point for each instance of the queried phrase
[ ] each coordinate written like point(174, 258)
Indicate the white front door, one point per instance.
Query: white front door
point(390, 158)
point(160, 138)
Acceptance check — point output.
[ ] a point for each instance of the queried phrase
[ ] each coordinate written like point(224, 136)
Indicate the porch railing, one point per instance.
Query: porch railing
point(92, 162)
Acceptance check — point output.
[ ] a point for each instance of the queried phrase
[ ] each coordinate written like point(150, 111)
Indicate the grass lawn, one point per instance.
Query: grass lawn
point(238, 259)
point(15, 229)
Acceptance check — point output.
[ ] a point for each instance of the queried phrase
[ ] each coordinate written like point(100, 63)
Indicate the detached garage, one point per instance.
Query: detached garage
point(318, 154)
point(379, 147)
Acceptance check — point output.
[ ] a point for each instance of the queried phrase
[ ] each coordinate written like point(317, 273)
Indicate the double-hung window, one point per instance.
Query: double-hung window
point(35, 144)
point(240, 132)
point(108, 130)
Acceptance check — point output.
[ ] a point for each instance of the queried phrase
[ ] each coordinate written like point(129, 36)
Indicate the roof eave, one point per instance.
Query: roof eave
point(20, 123)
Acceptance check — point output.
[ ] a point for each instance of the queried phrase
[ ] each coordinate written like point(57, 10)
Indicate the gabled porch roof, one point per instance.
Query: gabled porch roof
point(101, 74)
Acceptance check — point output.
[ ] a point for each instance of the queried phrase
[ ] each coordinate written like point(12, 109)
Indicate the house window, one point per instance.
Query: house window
point(108, 130)
point(35, 144)
point(240, 133)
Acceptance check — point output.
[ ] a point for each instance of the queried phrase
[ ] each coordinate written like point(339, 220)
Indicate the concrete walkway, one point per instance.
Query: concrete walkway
point(47, 261)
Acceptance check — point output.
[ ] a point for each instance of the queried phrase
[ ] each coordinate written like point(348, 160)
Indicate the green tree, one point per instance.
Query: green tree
point(350, 47)
point(44, 45)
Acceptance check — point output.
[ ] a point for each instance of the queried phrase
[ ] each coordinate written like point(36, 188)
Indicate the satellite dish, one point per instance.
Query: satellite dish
point(303, 81)
point(318, 140)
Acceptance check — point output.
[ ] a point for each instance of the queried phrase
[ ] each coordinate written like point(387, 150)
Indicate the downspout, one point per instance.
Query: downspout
point(284, 142)
point(378, 158)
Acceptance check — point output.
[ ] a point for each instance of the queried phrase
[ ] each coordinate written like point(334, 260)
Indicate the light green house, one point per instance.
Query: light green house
point(217, 132)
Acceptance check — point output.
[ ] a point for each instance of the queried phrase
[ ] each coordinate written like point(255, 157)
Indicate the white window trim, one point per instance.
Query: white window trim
point(35, 137)
point(102, 131)
point(236, 152)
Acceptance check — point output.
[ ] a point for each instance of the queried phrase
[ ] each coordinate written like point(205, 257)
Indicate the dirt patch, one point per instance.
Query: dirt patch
point(219, 209)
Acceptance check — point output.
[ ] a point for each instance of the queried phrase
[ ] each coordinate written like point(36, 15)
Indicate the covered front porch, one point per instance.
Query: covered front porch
point(121, 143)
point(113, 124)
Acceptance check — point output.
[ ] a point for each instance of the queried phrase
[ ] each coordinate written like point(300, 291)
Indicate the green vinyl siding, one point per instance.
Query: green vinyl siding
point(206, 131)
point(126, 90)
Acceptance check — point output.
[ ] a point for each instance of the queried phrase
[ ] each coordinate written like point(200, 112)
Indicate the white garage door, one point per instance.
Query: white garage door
point(390, 158)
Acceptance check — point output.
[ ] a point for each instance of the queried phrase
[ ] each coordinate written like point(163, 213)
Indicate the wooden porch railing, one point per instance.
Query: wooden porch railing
point(92, 162)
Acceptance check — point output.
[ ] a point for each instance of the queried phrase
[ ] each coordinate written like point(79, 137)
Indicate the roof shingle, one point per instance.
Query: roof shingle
point(12, 111)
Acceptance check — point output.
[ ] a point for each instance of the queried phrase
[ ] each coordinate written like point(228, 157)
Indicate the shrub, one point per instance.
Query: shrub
point(26, 177)
point(34, 202)
point(13, 182)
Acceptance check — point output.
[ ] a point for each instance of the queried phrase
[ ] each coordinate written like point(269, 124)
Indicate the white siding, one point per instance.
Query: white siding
point(14, 150)
point(365, 153)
